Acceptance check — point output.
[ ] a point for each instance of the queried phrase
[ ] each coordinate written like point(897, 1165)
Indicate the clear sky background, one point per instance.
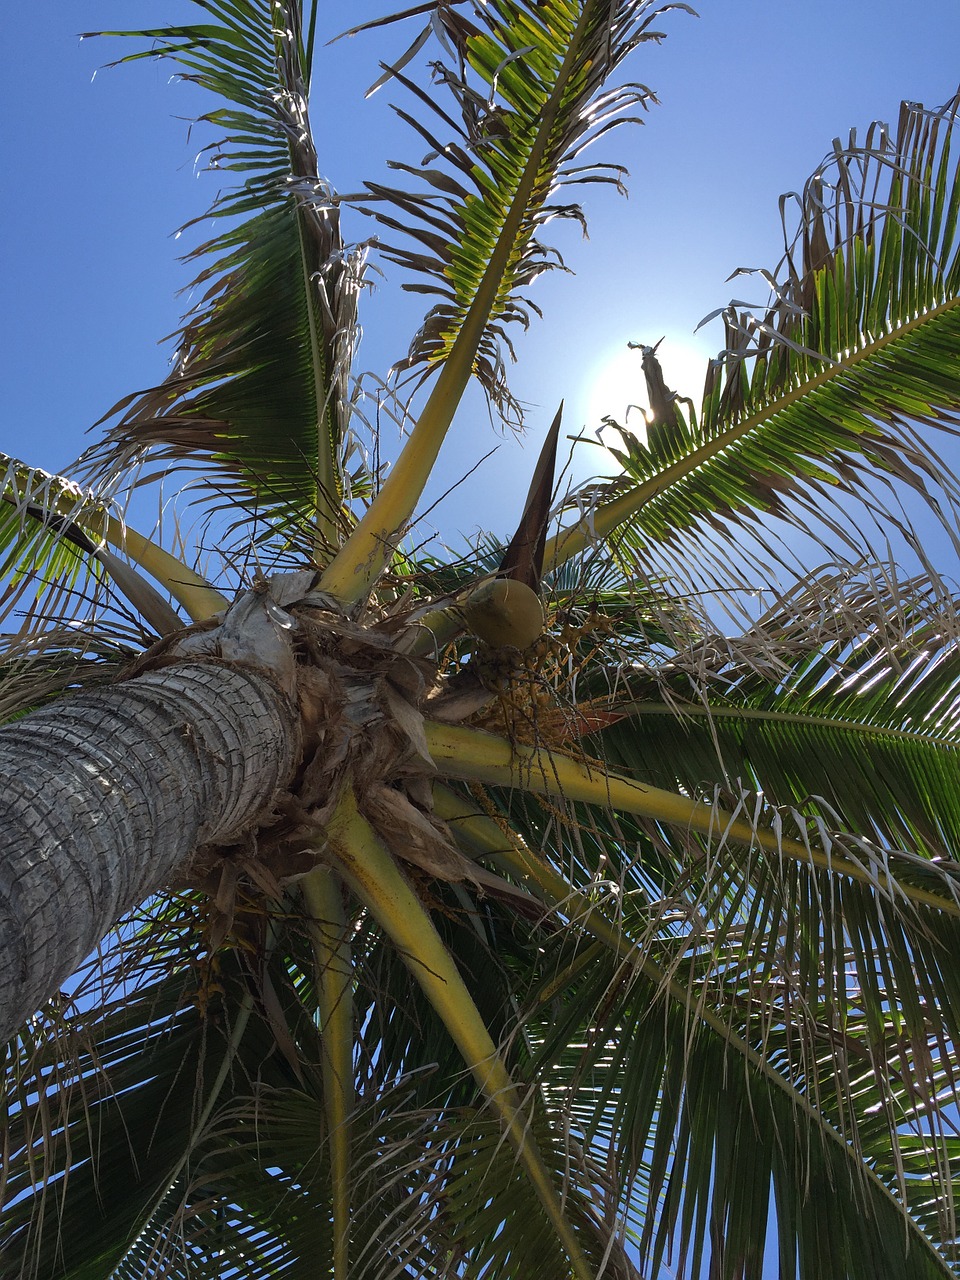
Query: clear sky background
point(100, 169)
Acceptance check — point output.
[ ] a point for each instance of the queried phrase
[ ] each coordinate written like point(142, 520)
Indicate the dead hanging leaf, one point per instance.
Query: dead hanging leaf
point(413, 836)
point(461, 696)
point(262, 876)
point(408, 720)
point(290, 588)
point(497, 887)
point(226, 894)
point(322, 776)
point(362, 706)
point(223, 908)
point(419, 790)
point(276, 1018)
point(321, 701)
point(411, 676)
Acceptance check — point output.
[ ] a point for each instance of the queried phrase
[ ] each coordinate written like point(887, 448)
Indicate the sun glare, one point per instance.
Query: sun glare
point(617, 388)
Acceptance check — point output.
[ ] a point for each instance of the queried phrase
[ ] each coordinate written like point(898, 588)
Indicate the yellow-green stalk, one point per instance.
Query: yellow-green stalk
point(375, 878)
point(476, 756)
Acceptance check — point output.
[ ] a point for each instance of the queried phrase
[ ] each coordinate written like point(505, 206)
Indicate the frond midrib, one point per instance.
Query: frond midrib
point(861, 728)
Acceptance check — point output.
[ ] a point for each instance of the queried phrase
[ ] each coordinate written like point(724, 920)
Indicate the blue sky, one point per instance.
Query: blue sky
point(100, 169)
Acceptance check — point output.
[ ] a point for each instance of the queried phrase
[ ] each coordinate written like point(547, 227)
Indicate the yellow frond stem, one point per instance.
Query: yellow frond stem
point(476, 756)
point(362, 558)
point(375, 878)
point(198, 598)
point(189, 589)
point(367, 551)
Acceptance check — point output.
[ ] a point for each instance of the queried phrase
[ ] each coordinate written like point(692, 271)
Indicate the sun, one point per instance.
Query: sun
point(616, 386)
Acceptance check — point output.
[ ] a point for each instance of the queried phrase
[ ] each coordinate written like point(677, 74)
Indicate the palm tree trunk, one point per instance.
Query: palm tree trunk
point(108, 793)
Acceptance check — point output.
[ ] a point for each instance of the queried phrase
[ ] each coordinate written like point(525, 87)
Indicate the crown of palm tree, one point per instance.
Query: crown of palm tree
point(516, 914)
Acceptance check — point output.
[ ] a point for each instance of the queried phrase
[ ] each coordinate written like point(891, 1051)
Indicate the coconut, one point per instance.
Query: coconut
point(504, 612)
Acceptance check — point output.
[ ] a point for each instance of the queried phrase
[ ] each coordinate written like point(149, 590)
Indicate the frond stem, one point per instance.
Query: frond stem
point(363, 557)
point(330, 938)
point(375, 878)
point(476, 756)
point(720, 712)
point(187, 587)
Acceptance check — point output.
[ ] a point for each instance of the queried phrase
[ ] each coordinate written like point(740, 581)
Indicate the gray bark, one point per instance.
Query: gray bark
point(106, 794)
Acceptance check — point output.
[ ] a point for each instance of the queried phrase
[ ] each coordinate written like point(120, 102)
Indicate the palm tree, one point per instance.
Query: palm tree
point(512, 913)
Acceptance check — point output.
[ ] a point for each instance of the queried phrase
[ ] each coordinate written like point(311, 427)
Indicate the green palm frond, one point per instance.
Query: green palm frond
point(106, 1076)
point(836, 993)
point(406, 1048)
point(114, 1097)
point(818, 401)
point(702, 1139)
point(543, 71)
point(217, 1151)
point(730, 1039)
point(55, 577)
point(35, 669)
point(68, 556)
point(260, 385)
point(844, 703)
point(524, 93)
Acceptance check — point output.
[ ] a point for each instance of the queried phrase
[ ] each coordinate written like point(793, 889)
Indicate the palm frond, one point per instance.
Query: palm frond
point(730, 1007)
point(843, 697)
point(542, 71)
point(260, 385)
point(38, 668)
point(116, 1093)
point(89, 1131)
point(819, 401)
point(705, 1128)
point(55, 540)
point(527, 91)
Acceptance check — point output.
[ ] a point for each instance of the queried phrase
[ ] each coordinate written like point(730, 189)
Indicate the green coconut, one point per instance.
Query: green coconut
point(504, 612)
